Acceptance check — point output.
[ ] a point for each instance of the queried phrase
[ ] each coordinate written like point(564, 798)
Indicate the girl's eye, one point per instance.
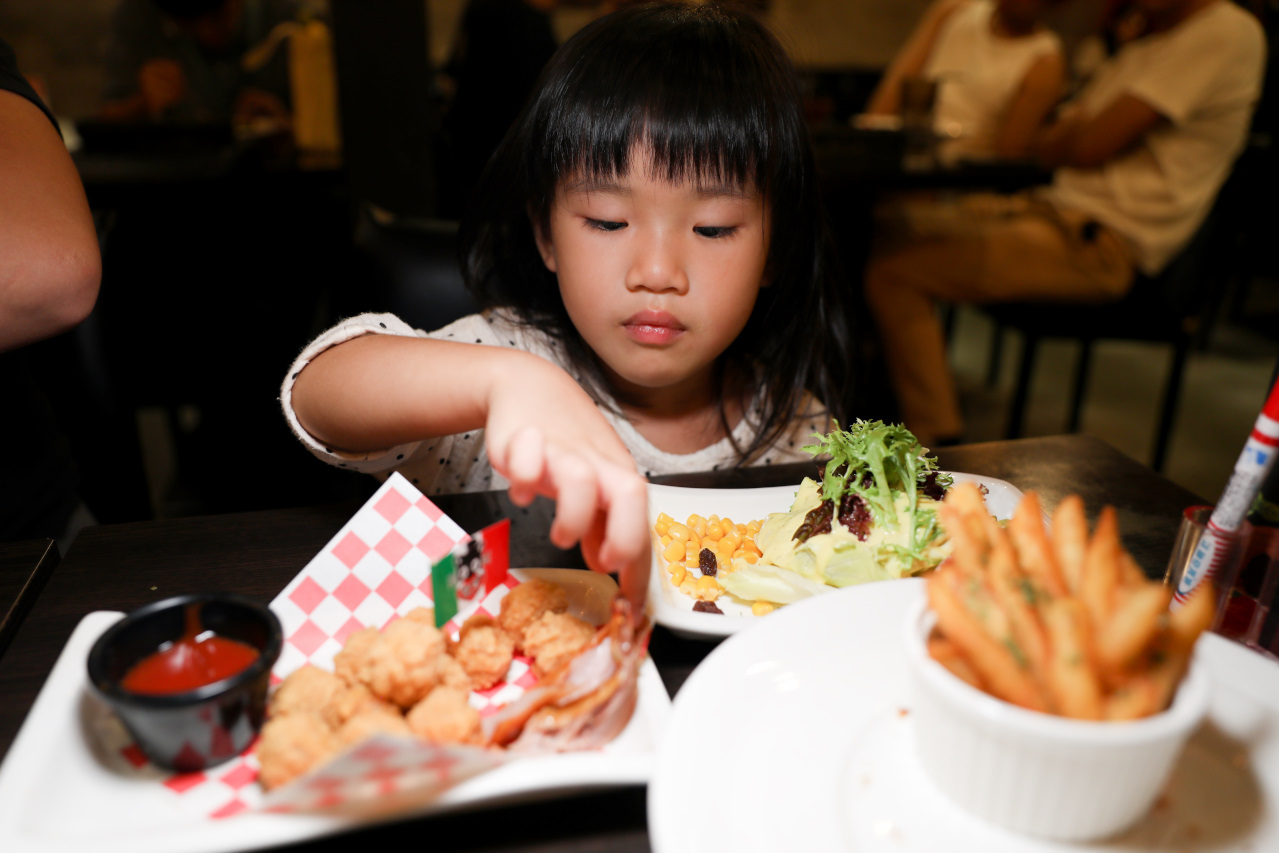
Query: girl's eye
point(714, 231)
point(604, 225)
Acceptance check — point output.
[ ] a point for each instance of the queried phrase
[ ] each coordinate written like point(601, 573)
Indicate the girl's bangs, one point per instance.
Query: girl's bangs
point(697, 114)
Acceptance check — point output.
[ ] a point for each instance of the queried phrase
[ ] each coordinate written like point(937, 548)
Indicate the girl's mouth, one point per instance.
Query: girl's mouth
point(653, 327)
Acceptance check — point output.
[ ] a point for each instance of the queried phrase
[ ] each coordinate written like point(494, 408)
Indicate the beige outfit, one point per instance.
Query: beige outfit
point(978, 75)
point(459, 463)
point(1084, 238)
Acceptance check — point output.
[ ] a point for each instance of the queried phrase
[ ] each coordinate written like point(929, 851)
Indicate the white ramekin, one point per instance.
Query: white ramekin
point(1036, 773)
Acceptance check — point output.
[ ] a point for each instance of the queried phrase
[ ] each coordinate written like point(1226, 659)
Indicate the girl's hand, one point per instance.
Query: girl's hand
point(547, 437)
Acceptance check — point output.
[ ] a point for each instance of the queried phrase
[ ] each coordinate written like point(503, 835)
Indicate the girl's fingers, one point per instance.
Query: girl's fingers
point(626, 549)
point(575, 487)
point(525, 465)
point(626, 540)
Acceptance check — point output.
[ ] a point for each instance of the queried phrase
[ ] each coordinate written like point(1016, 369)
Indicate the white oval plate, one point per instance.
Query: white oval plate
point(796, 735)
point(670, 607)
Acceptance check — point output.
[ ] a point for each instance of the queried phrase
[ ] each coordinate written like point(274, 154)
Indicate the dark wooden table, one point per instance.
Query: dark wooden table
point(120, 567)
point(25, 567)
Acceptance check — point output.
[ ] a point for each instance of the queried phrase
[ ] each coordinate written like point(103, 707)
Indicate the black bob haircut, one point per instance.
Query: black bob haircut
point(712, 97)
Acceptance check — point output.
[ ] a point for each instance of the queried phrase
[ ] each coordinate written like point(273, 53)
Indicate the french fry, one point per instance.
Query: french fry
point(1076, 689)
point(1130, 574)
point(989, 655)
point(1070, 539)
point(1058, 620)
point(1100, 572)
point(969, 553)
point(1017, 596)
point(1034, 551)
point(1186, 623)
point(1131, 626)
point(948, 655)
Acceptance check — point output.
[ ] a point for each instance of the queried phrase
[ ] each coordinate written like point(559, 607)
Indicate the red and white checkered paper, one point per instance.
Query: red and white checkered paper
point(375, 570)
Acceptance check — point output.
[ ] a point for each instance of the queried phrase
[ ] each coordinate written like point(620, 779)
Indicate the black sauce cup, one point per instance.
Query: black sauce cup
point(200, 728)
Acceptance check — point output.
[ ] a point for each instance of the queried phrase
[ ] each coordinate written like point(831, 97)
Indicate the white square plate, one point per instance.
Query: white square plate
point(58, 794)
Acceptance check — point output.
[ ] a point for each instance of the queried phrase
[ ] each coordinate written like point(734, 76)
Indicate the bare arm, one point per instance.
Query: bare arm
point(50, 267)
point(542, 432)
point(1087, 143)
point(910, 60)
point(1039, 92)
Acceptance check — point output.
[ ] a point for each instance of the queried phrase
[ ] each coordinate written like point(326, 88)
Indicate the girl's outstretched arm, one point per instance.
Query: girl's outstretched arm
point(542, 432)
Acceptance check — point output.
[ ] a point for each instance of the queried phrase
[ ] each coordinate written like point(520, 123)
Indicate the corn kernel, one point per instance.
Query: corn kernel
point(706, 582)
point(724, 549)
point(732, 537)
point(698, 524)
point(727, 524)
point(678, 531)
point(663, 523)
point(665, 540)
point(674, 551)
point(750, 558)
point(714, 530)
point(762, 608)
point(678, 574)
point(693, 560)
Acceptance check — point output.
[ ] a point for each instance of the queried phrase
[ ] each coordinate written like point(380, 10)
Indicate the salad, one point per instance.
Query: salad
point(871, 516)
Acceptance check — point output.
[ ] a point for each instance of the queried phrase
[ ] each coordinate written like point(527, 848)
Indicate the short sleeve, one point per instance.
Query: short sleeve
point(1217, 67)
point(370, 462)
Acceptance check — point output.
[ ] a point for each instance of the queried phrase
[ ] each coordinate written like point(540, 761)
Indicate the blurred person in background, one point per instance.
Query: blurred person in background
point(50, 270)
point(999, 72)
point(182, 61)
point(1139, 155)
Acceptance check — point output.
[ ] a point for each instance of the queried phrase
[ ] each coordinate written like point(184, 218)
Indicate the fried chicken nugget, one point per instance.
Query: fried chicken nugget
point(291, 745)
point(425, 615)
point(445, 716)
point(401, 665)
point(372, 720)
point(346, 663)
point(308, 689)
point(555, 638)
point(450, 673)
point(528, 601)
point(484, 650)
point(352, 700)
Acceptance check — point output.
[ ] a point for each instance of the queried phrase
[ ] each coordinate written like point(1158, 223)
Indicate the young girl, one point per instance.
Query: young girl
point(649, 252)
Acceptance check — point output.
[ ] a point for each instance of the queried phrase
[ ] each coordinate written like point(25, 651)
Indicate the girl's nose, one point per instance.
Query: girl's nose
point(657, 265)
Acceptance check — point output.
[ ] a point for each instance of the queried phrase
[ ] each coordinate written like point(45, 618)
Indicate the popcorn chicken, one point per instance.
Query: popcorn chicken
point(445, 716)
point(347, 663)
point(401, 664)
point(528, 601)
point(425, 615)
point(353, 699)
point(553, 639)
point(291, 745)
point(307, 689)
point(372, 720)
point(484, 650)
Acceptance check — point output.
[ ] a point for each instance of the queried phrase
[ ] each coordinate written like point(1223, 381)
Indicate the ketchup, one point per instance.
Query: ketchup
point(193, 660)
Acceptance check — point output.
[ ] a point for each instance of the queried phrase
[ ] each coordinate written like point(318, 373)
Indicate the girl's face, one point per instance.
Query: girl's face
point(658, 278)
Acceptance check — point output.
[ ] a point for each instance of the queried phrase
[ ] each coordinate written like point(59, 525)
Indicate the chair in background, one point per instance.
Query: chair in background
point(1172, 308)
point(410, 269)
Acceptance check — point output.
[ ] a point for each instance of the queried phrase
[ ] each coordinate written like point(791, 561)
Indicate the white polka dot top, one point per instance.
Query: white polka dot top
point(459, 463)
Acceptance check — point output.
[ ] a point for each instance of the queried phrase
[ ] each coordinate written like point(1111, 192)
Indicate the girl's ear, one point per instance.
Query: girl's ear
point(545, 245)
